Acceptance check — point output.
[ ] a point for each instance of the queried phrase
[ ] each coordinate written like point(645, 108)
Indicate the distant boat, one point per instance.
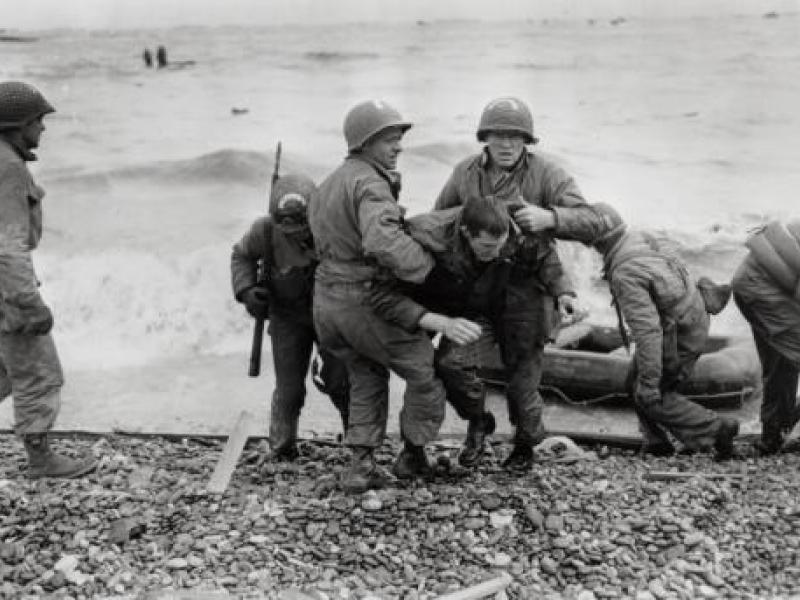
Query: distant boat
point(4, 37)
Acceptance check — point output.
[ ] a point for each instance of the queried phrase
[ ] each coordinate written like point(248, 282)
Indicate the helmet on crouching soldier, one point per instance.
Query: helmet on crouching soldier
point(367, 119)
point(508, 115)
point(610, 230)
point(21, 103)
point(288, 203)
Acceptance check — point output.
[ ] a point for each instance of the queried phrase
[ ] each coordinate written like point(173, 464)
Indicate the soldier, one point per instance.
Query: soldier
point(29, 366)
point(766, 288)
point(539, 194)
point(667, 313)
point(478, 252)
point(357, 224)
point(282, 244)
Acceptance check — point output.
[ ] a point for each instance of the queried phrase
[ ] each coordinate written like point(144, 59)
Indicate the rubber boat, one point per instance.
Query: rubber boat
point(588, 365)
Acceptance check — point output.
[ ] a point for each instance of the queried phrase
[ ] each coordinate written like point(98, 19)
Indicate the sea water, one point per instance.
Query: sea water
point(688, 126)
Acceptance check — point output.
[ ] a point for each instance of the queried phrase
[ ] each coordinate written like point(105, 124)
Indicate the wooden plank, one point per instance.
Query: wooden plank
point(230, 454)
point(482, 590)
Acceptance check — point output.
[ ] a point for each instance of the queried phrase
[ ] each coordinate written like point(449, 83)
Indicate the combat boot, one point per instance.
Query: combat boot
point(521, 458)
point(363, 473)
point(478, 429)
point(770, 442)
point(43, 462)
point(723, 441)
point(657, 448)
point(412, 462)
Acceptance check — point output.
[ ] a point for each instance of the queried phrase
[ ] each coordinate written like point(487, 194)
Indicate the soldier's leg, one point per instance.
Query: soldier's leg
point(331, 377)
point(457, 367)
point(696, 427)
point(292, 343)
point(523, 349)
point(5, 381)
point(779, 379)
point(34, 371)
point(340, 325)
point(410, 355)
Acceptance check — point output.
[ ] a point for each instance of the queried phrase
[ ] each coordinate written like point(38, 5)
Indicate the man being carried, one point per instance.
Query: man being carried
point(482, 261)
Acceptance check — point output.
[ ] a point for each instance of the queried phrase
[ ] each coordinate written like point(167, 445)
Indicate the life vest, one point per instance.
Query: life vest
point(776, 248)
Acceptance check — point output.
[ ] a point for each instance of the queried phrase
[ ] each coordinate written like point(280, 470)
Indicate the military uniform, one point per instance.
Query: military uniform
point(357, 224)
point(533, 285)
point(766, 288)
point(669, 324)
point(290, 280)
point(511, 297)
point(29, 366)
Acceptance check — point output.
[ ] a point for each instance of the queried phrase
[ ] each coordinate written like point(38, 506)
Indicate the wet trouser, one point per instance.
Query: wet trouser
point(30, 372)
point(458, 367)
point(292, 346)
point(694, 426)
point(775, 322)
point(370, 347)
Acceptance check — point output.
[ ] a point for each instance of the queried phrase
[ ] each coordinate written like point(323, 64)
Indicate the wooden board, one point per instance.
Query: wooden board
point(230, 454)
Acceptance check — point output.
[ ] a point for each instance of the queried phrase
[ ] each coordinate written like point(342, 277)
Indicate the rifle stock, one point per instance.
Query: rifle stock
point(258, 327)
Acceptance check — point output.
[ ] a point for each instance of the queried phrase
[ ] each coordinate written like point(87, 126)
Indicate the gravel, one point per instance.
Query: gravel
point(143, 526)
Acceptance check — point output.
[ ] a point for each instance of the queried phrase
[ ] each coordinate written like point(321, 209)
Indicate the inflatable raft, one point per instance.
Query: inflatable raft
point(587, 364)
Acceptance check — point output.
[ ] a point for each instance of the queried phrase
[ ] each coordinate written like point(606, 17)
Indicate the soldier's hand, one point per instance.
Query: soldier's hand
point(462, 331)
point(569, 309)
point(41, 324)
point(256, 300)
point(533, 219)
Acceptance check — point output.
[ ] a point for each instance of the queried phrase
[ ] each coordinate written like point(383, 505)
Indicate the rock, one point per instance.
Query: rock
point(693, 538)
point(491, 502)
point(66, 563)
point(706, 591)
point(656, 587)
point(499, 559)
point(124, 530)
point(534, 517)
point(474, 523)
point(548, 565)
point(501, 518)
point(554, 522)
point(177, 563)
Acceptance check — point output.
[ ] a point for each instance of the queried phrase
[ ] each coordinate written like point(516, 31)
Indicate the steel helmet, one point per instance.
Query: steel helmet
point(21, 103)
point(507, 114)
point(613, 225)
point(369, 118)
point(291, 195)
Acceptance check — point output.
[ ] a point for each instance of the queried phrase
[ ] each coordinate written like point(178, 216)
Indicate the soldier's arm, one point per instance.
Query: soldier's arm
point(383, 236)
point(393, 302)
point(552, 273)
point(573, 218)
point(641, 316)
point(245, 256)
point(17, 277)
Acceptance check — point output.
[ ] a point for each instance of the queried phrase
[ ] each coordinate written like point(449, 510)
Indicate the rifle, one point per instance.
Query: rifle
point(263, 272)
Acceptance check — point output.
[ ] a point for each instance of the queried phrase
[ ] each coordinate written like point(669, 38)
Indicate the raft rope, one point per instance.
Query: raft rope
point(741, 395)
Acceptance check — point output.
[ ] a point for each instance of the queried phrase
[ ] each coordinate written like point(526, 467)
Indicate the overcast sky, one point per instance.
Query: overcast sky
point(46, 14)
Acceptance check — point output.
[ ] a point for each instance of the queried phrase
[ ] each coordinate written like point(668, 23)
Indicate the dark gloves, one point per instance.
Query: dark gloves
point(40, 323)
point(26, 314)
point(256, 300)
